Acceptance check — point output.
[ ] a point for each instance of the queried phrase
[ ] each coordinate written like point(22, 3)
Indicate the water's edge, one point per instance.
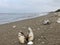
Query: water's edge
point(24, 18)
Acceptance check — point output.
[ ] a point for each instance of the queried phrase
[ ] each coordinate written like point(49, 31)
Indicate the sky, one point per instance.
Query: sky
point(28, 6)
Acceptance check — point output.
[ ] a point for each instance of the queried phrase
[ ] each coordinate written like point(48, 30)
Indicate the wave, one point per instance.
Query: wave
point(7, 18)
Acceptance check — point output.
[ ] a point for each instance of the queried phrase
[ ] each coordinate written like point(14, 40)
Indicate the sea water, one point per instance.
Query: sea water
point(12, 17)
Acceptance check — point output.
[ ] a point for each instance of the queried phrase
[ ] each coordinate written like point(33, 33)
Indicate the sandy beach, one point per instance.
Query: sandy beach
point(44, 34)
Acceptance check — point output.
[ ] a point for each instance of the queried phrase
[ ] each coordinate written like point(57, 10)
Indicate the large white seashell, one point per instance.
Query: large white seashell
point(21, 37)
point(30, 43)
point(30, 35)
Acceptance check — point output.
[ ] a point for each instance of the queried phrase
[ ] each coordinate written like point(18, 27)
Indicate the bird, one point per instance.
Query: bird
point(21, 37)
point(30, 34)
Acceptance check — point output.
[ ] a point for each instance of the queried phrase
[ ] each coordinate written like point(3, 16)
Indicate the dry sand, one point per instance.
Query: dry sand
point(44, 34)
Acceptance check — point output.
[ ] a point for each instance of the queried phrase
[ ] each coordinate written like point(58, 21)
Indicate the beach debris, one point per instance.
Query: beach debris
point(14, 26)
point(21, 37)
point(30, 43)
point(58, 20)
point(45, 22)
point(30, 34)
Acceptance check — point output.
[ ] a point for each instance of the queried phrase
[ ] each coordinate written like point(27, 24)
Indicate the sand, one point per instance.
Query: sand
point(44, 34)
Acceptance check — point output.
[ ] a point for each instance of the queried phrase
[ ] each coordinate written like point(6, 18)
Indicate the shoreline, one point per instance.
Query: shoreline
point(24, 18)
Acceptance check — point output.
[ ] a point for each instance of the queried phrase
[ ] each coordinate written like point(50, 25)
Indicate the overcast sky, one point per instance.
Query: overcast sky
point(8, 6)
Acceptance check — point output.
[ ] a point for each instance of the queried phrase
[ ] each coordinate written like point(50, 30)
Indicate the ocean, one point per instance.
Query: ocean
point(12, 17)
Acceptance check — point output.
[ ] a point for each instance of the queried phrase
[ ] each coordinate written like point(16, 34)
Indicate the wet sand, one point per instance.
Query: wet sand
point(44, 34)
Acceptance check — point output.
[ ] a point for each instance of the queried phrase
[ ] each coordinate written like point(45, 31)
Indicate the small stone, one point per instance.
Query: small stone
point(38, 28)
point(14, 26)
point(42, 42)
point(41, 36)
point(39, 39)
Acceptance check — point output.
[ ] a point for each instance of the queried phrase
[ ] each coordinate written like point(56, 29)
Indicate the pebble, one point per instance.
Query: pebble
point(14, 26)
point(41, 36)
point(39, 39)
point(38, 28)
point(42, 42)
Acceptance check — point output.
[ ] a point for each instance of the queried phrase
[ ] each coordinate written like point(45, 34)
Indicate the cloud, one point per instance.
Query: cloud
point(31, 5)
